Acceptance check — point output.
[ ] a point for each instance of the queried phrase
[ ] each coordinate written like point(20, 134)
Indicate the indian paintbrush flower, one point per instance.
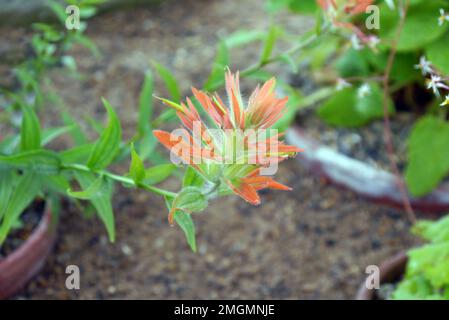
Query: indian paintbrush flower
point(229, 145)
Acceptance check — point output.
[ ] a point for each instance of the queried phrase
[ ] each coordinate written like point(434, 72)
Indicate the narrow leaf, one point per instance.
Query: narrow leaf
point(108, 144)
point(28, 186)
point(136, 168)
point(102, 203)
point(146, 105)
point(30, 134)
point(169, 80)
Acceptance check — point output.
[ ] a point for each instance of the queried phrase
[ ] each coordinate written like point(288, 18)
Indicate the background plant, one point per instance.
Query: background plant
point(426, 276)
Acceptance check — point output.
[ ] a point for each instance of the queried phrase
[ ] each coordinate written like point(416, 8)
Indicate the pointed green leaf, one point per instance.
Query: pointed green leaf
point(146, 104)
point(192, 178)
point(136, 168)
point(52, 133)
point(101, 202)
point(216, 77)
point(41, 161)
point(185, 222)
point(30, 134)
point(159, 173)
point(169, 80)
point(26, 189)
point(6, 187)
point(94, 190)
point(108, 144)
point(269, 44)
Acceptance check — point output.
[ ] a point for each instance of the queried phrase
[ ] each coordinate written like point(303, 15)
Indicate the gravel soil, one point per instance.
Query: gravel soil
point(312, 243)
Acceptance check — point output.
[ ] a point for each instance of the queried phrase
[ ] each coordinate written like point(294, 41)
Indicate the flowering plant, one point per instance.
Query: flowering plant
point(231, 151)
point(230, 159)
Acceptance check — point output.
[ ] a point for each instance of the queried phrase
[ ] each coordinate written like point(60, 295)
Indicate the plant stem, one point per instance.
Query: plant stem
point(387, 128)
point(119, 178)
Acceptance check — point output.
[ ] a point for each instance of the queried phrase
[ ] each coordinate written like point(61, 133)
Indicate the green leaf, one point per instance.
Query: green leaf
point(76, 154)
point(146, 105)
point(243, 37)
point(437, 53)
point(431, 261)
point(108, 144)
point(101, 202)
point(413, 288)
point(274, 6)
point(136, 168)
point(169, 80)
point(76, 133)
point(94, 190)
point(57, 184)
point(6, 187)
point(190, 199)
point(41, 161)
point(428, 154)
point(420, 28)
point(58, 10)
point(433, 231)
point(52, 133)
point(159, 173)
point(216, 75)
point(26, 189)
point(345, 108)
point(192, 178)
point(185, 222)
point(270, 40)
point(30, 133)
point(352, 64)
point(303, 6)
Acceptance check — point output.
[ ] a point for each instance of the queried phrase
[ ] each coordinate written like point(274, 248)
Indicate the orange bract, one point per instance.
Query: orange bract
point(243, 124)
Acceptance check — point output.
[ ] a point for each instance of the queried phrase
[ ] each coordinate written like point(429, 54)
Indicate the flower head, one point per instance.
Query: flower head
point(364, 91)
point(235, 144)
point(342, 84)
point(443, 17)
point(424, 65)
point(436, 83)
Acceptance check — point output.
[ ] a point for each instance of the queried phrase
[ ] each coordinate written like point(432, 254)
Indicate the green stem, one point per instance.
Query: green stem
point(118, 178)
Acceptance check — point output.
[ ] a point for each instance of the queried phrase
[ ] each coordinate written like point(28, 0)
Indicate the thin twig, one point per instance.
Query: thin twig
point(387, 128)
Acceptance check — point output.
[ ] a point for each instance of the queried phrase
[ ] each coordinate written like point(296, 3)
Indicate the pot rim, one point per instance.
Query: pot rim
point(368, 181)
point(390, 271)
point(20, 266)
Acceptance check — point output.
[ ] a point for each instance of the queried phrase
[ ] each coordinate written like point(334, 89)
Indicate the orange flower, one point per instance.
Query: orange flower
point(236, 143)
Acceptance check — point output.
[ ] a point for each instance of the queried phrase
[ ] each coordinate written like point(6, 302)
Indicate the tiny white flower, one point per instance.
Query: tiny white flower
point(373, 41)
point(356, 44)
point(443, 17)
point(424, 65)
point(390, 4)
point(435, 83)
point(364, 91)
point(342, 84)
point(445, 102)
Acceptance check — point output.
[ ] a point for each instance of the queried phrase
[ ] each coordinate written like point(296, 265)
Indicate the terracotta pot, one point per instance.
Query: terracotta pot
point(373, 183)
point(391, 271)
point(26, 261)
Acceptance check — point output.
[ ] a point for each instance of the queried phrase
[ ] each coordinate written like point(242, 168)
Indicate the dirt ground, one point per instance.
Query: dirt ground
point(311, 243)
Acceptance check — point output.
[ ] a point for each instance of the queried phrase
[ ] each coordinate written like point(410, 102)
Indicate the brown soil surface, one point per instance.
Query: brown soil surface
point(311, 243)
